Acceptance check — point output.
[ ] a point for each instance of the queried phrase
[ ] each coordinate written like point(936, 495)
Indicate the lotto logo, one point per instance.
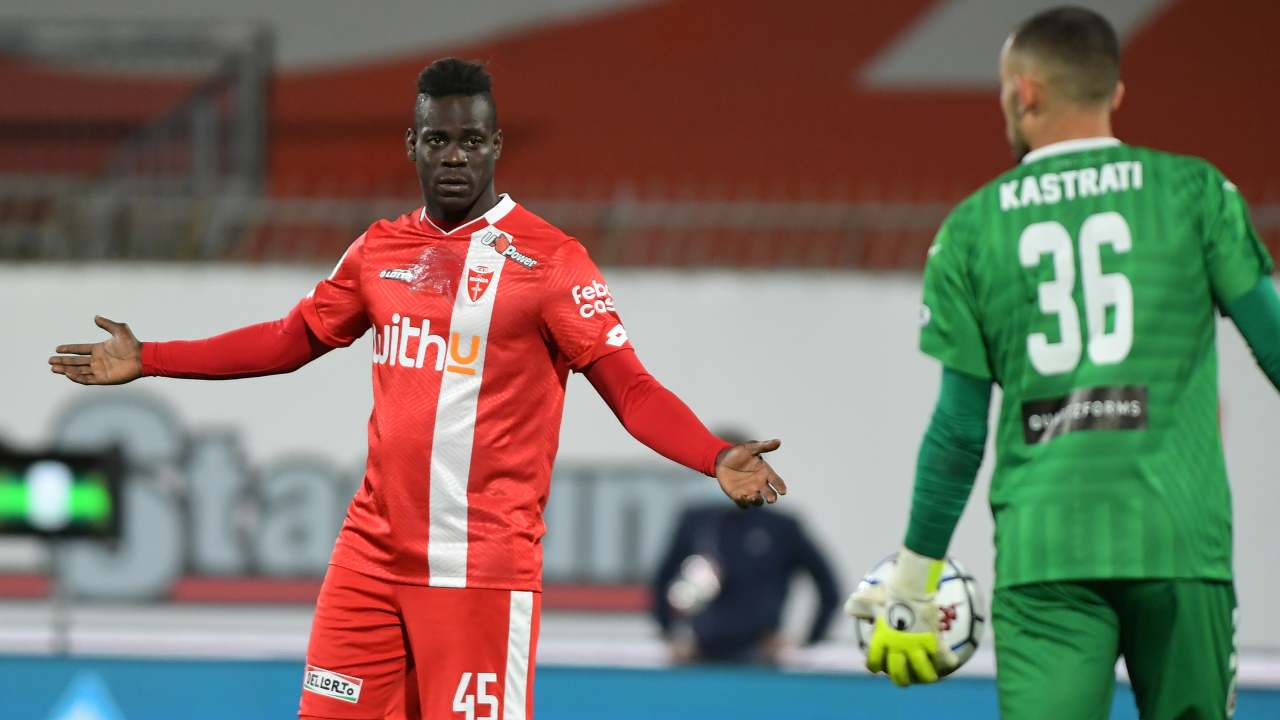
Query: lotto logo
point(397, 274)
point(391, 347)
point(593, 299)
point(617, 337)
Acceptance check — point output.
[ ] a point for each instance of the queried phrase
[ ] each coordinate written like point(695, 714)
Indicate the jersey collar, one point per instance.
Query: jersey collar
point(491, 217)
point(1069, 146)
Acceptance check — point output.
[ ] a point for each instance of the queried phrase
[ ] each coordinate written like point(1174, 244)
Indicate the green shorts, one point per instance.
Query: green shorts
point(1057, 645)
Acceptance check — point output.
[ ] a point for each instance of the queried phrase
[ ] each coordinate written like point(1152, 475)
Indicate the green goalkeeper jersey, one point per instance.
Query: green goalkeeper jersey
point(1085, 282)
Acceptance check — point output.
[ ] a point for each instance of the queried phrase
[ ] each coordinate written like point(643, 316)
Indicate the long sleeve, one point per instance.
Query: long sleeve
point(653, 414)
point(269, 348)
point(950, 456)
point(1257, 316)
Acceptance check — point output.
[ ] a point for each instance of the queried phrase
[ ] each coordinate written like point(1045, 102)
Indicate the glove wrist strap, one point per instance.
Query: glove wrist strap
point(915, 575)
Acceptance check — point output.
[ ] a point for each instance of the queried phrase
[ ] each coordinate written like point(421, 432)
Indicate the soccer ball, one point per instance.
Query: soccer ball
point(963, 612)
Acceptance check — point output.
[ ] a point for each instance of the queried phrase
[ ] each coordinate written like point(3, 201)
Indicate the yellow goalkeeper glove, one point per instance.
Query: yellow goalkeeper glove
point(906, 642)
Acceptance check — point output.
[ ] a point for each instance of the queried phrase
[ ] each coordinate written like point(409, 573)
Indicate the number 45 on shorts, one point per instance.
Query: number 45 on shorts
point(465, 701)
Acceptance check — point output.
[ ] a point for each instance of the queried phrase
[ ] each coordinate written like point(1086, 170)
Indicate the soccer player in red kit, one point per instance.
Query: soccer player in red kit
point(479, 310)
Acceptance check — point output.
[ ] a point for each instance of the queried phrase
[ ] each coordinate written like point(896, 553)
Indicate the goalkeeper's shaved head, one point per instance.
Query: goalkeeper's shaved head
point(1059, 78)
point(1077, 51)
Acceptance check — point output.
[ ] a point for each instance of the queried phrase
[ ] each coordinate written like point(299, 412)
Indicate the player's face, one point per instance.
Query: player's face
point(1010, 105)
point(454, 145)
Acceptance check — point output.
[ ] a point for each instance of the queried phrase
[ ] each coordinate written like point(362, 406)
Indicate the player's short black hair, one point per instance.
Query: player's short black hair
point(454, 76)
point(1080, 46)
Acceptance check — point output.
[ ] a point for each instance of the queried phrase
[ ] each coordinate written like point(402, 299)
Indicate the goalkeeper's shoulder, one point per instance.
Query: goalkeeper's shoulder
point(966, 218)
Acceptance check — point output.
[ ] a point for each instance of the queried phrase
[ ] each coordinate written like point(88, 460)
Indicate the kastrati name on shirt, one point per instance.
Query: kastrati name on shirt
point(405, 342)
point(1052, 188)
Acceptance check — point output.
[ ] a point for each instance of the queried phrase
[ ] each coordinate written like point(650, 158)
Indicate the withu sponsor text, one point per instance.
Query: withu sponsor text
point(391, 346)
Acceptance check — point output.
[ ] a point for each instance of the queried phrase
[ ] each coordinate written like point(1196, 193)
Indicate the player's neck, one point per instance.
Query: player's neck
point(448, 221)
point(1074, 126)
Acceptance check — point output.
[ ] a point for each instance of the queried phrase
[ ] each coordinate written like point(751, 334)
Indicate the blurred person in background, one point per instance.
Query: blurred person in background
point(721, 589)
point(479, 310)
point(1110, 495)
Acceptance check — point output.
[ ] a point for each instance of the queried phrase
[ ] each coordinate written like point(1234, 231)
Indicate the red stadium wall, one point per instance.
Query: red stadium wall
point(59, 120)
point(718, 98)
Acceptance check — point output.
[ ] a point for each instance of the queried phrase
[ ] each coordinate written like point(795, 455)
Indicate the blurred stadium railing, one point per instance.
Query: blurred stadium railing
point(133, 140)
point(134, 106)
point(46, 219)
point(76, 221)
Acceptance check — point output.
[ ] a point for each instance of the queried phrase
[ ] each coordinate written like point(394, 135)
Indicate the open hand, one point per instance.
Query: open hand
point(745, 477)
point(114, 361)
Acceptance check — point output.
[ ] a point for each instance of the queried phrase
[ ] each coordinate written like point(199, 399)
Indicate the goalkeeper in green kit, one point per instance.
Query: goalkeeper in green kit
point(1085, 282)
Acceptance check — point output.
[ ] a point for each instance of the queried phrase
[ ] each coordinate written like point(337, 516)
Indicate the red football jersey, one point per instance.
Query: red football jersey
point(475, 332)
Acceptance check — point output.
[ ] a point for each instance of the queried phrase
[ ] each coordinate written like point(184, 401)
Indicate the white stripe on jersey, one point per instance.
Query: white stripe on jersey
point(456, 424)
point(519, 637)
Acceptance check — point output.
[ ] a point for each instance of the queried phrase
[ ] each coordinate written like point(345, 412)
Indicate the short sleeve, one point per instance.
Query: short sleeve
point(1234, 256)
point(334, 309)
point(578, 310)
point(949, 324)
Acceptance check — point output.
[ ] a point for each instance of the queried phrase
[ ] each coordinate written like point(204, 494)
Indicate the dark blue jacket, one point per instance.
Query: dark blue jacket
point(758, 551)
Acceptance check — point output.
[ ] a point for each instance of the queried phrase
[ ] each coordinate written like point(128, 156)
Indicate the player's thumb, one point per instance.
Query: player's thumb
point(109, 325)
point(760, 447)
point(863, 604)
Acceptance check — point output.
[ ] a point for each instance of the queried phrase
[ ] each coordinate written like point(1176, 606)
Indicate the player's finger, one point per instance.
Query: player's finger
point(875, 654)
point(776, 482)
point(770, 495)
point(79, 349)
point(70, 360)
point(756, 500)
point(921, 665)
point(756, 447)
point(110, 326)
point(898, 671)
point(72, 375)
point(71, 372)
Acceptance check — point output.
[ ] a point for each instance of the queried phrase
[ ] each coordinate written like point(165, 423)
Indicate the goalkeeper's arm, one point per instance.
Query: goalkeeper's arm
point(905, 642)
point(948, 462)
point(1257, 315)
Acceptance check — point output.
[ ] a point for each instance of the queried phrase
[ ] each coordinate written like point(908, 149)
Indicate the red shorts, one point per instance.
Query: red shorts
point(382, 650)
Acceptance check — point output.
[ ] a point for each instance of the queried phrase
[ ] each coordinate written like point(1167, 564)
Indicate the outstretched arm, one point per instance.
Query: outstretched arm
point(1257, 315)
point(268, 348)
point(657, 418)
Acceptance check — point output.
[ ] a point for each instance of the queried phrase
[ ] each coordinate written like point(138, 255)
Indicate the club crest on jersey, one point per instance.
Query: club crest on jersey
point(479, 278)
point(503, 244)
